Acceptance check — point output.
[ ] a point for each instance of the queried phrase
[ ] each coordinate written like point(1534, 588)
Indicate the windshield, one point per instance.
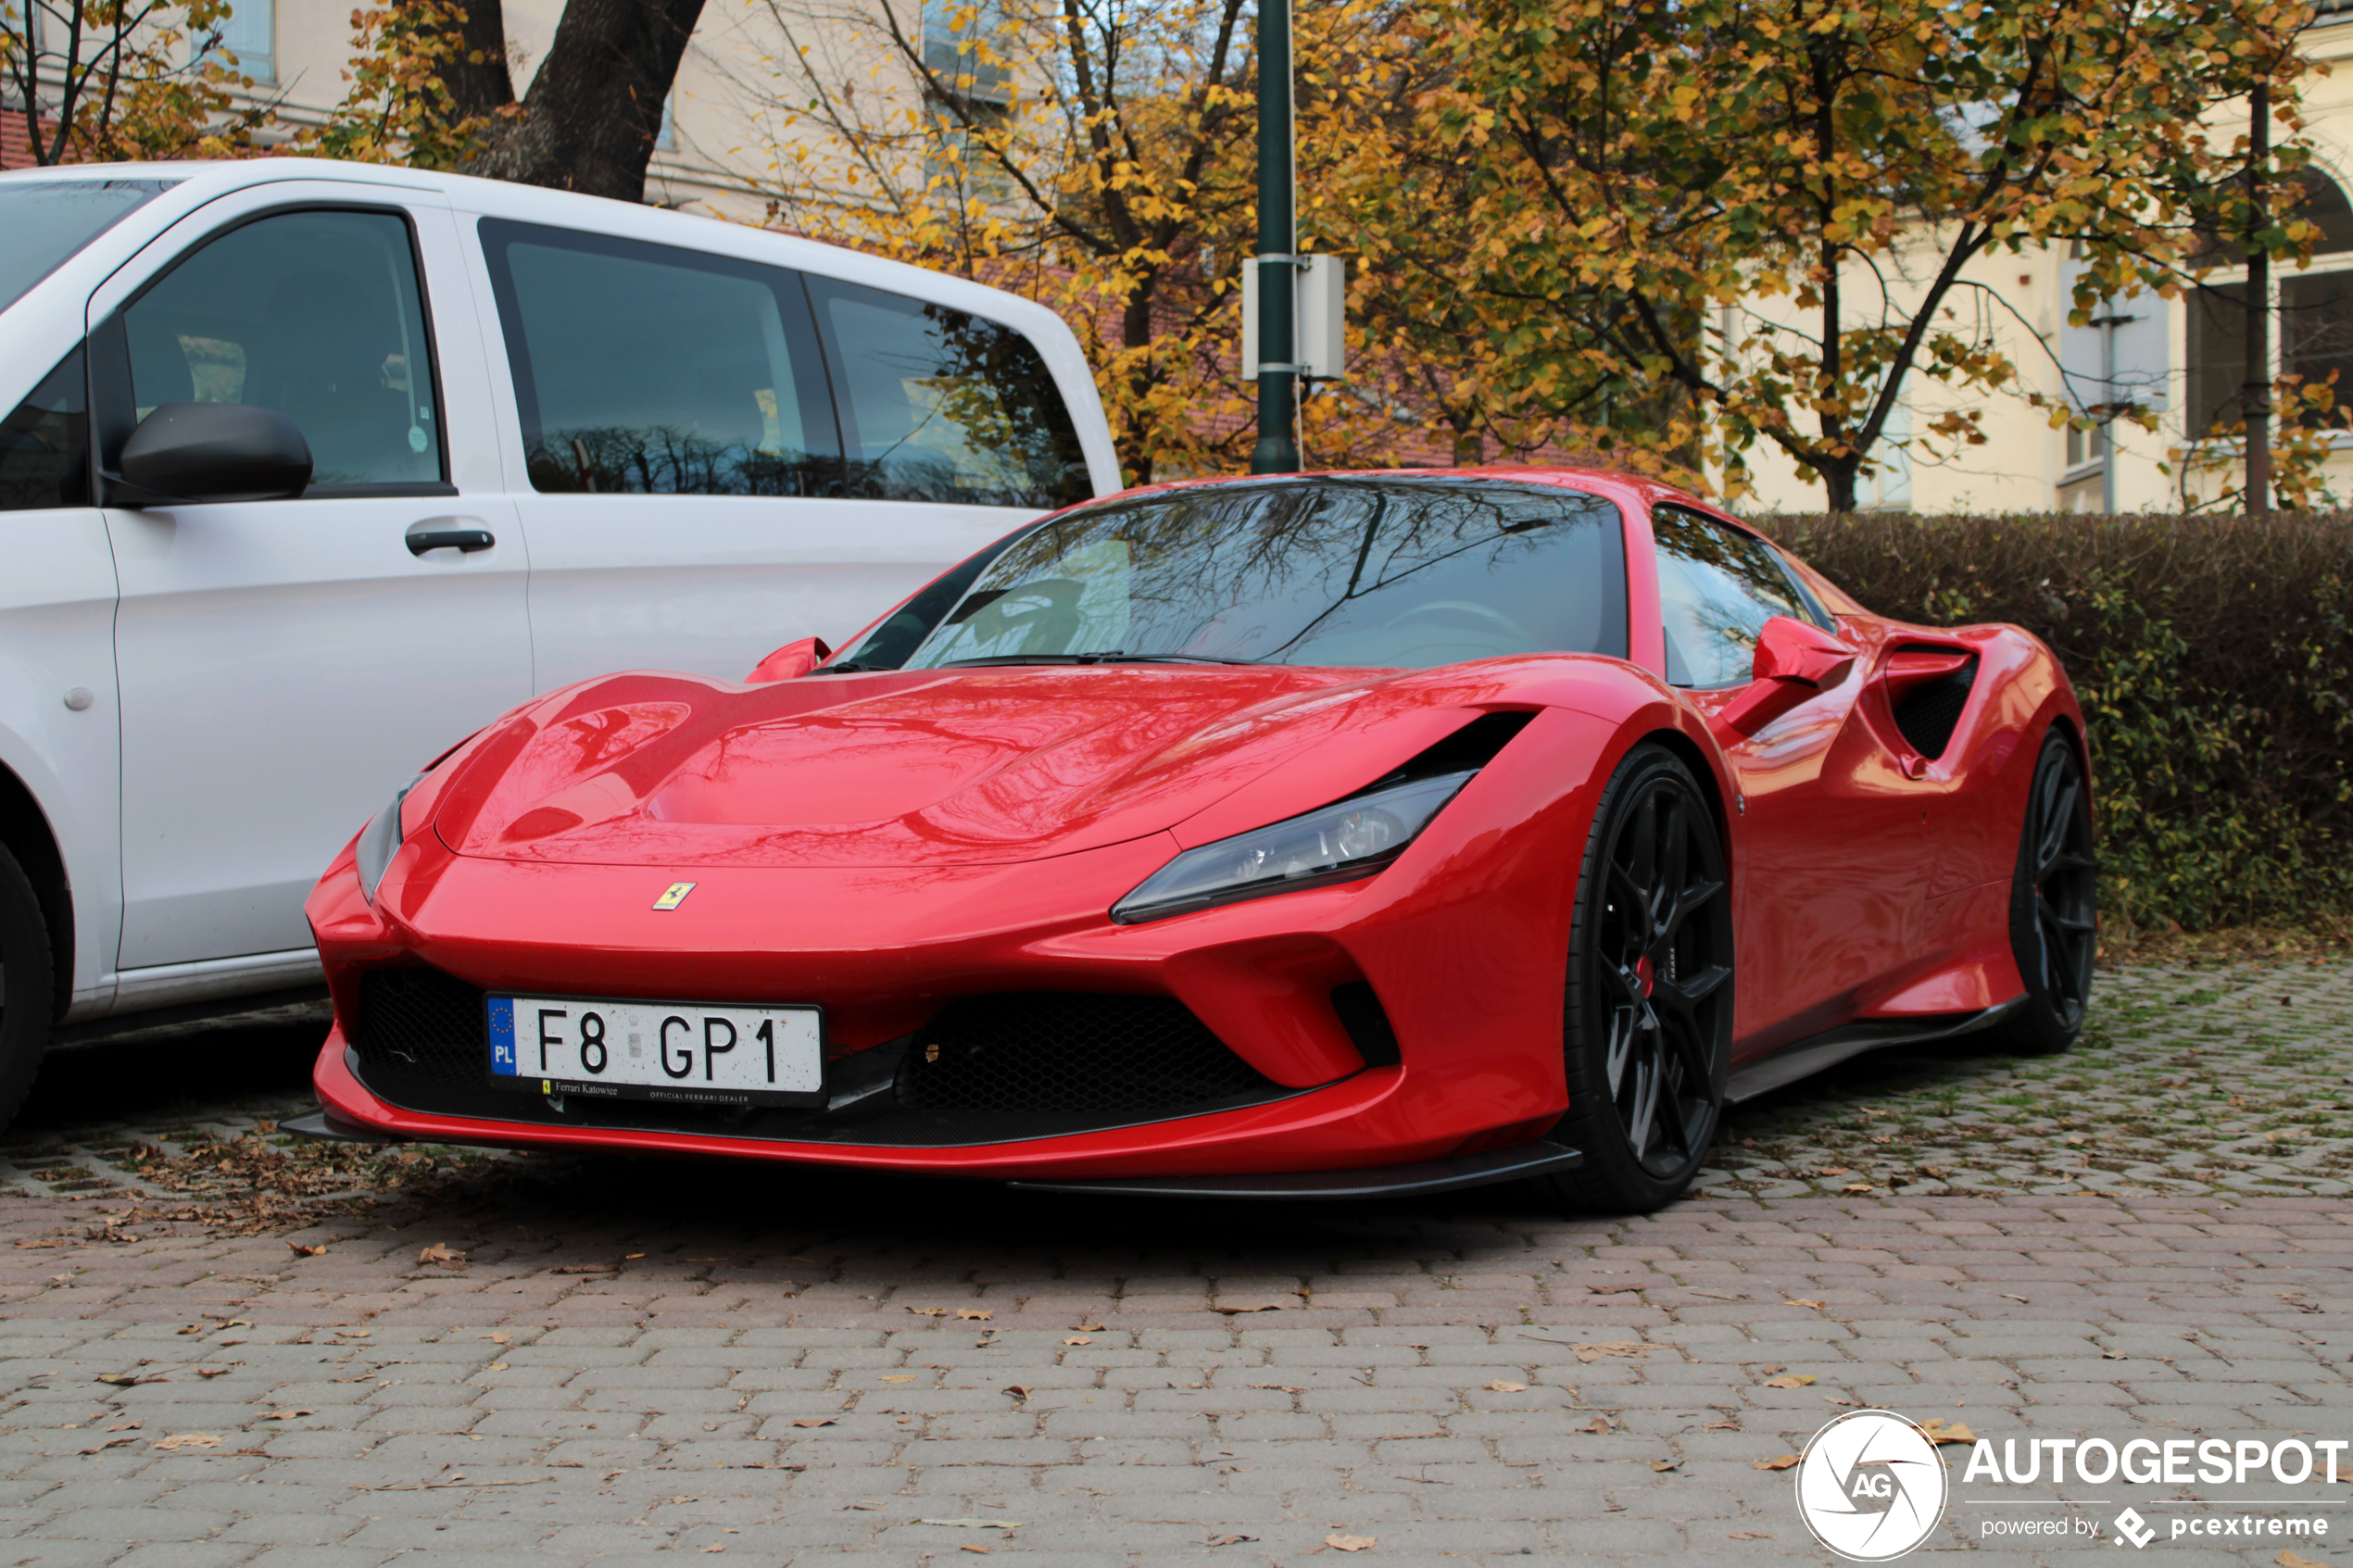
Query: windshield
point(44, 222)
point(1387, 573)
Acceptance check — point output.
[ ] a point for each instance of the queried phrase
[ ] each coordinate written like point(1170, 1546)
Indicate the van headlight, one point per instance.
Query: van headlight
point(379, 840)
point(1343, 841)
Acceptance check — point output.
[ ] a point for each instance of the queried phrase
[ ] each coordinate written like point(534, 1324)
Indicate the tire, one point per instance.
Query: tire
point(1647, 1033)
point(28, 985)
point(2054, 905)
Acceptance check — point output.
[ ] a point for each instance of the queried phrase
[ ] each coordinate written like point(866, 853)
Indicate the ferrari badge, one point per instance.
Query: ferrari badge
point(673, 895)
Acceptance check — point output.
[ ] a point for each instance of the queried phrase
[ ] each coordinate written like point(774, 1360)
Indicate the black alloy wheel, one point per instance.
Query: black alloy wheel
point(27, 985)
point(1648, 1030)
point(2053, 904)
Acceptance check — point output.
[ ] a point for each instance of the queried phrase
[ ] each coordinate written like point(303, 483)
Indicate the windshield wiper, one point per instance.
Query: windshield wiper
point(849, 667)
point(1115, 655)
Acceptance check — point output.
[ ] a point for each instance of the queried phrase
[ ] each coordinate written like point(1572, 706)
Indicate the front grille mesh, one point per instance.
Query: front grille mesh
point(986, 1068)
point(1072, 1053)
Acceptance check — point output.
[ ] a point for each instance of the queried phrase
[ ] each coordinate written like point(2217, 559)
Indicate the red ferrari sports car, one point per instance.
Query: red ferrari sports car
point(1325, 835)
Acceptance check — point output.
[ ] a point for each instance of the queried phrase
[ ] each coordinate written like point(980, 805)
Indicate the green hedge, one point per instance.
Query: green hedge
point(2215, 665)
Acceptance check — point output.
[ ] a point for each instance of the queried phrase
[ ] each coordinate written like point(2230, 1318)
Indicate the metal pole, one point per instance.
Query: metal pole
point(2256, 395)
point(1277, 448)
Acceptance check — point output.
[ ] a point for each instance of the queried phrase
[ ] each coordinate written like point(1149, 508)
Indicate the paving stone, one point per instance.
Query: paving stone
point(2129, 1239)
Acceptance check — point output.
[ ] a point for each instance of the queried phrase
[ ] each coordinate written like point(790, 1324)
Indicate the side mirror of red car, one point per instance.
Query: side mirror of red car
point(1793, 661)
point(790, 662)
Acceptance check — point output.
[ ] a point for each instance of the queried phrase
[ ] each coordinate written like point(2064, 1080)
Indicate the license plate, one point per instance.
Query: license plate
point(694, 1053)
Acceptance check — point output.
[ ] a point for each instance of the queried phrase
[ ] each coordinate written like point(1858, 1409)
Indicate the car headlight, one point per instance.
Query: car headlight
point(1348, 839)
point(378, 840)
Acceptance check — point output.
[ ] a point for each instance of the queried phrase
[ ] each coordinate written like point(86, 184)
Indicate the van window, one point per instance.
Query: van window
point(942, 405)
point(653, 370)
point(43, 222)
point(315, 315)
point(44, 445)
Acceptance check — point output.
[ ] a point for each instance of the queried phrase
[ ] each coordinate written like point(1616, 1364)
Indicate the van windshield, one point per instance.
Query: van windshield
point(42, 222)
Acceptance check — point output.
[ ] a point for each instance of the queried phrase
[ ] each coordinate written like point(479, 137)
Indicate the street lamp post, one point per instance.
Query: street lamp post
point(1277, 370)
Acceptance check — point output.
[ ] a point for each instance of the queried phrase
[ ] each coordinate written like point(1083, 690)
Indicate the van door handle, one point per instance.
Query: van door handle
point(448, 532)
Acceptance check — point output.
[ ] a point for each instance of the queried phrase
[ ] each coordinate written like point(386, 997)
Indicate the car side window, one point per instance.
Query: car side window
point(316, 315)
point(938, 405)
point(44, 445)
point(648, 370)
point(1716, 588)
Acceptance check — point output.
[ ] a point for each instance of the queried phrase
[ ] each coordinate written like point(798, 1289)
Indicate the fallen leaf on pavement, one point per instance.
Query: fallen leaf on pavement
point(1097, 1328)
point(975, 1523)
point(288, 1415)
point(1500, 1386)
point(209, 1373)
point(1078, 1339)
point(972, 1315)
point(1614, 1289)
point(495, 1338)
point(982, 1549)
point(1769, 1371)
point(1750, 1536)
point(1635, 1348)
point(587, 1269)
point(126, 1379)
point(495, 1366)
point(2294, 1560)
point(180, 1440)
point(194, 1328)
point(898, 1377)
point(1795, 1302)
point(715, 1547)
point(1599, 1425)
point(1017, 1391)
point(48, 1241)
point(1941, 1431)
point(1261, 1307)
point(354, 1332)
point(929, 1311)
point(1348, 1543)
point(126, 1426)
point(1790, 1380)
point(442, 1254)
point(2020, 1299)
point(301, 1249)
point(1781, 1464)
point(1230, 1540)
point(814, 1421)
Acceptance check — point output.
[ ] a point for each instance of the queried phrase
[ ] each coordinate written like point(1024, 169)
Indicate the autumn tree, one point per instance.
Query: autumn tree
point(1098, 156)
point(118, 81)
point(1770, 207)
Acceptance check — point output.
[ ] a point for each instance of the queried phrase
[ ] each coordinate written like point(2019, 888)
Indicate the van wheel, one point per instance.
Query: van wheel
point(28, 985)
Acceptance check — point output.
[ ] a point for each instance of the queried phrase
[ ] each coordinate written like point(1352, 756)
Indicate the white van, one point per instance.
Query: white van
point(534, 436)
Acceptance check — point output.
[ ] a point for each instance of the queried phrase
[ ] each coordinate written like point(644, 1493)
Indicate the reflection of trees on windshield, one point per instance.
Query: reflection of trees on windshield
point(1349, 572)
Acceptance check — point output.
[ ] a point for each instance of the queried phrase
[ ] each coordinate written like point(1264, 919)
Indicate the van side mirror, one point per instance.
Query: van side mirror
point(790, 662)
point(215, 452)
point(1793, 661)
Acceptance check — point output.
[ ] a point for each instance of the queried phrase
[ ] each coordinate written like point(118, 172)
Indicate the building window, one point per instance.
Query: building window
point(2313, 322)
point(1885, 483)
point(972, 95)
point(250, 32)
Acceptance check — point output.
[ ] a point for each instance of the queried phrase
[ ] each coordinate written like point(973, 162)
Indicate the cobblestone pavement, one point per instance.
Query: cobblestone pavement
point(566, 1361)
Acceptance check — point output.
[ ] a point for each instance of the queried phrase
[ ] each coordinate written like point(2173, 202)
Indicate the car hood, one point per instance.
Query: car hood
point(931, 767)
